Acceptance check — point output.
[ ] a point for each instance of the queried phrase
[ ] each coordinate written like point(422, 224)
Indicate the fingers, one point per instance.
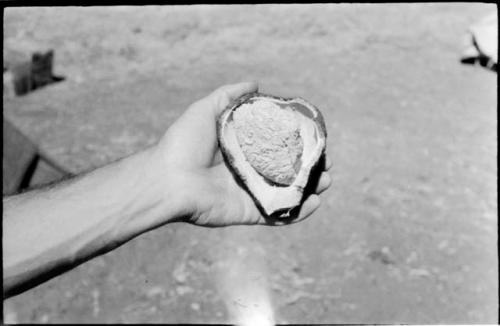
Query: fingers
point(324, 183)
point(308, 207)
point(324, 180)
point(233, 91)
point(222, 96)
point(328, 163)
point(217, 159)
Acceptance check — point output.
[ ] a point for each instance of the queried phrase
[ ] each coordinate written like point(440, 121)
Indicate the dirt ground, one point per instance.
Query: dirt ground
point(407, 233)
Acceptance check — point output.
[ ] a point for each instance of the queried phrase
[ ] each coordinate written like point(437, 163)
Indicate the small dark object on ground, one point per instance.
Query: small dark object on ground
point(30, 75)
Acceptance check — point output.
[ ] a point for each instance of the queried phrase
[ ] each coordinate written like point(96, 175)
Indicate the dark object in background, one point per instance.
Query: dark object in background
point(24, 77)
point(24, 164)
point(482, 43)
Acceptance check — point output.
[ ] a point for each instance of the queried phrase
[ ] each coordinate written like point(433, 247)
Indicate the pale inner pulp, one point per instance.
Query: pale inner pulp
point(274, 197)
point(270, 139)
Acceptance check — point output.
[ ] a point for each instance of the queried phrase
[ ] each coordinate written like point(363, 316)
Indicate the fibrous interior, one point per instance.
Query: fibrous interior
point(269, 137)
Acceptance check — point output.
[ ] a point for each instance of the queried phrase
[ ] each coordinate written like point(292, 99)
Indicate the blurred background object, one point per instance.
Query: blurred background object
point(24, 164)
point(21, 75)
point(482, 43)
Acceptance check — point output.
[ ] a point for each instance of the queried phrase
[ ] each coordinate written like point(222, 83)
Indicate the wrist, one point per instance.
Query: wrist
point(155, 195)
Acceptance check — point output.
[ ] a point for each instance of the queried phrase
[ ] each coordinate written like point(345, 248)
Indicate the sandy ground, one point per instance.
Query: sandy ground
point(406, 234)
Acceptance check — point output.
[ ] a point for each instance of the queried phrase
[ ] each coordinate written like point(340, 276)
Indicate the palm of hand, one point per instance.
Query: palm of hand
point(191, 152)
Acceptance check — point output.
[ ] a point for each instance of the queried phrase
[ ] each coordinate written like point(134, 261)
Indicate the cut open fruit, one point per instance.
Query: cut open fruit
point(272, 145)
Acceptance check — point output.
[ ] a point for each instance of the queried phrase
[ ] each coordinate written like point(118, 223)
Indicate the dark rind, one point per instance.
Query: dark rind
point(229, 159)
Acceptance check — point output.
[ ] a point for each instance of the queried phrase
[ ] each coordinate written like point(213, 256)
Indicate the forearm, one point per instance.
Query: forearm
point(49, 231)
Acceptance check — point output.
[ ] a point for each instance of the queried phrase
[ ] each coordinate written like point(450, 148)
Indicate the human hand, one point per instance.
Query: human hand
point(194, 163)
point(182, 178)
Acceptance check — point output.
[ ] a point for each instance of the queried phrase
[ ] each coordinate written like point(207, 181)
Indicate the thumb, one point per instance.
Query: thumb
point(196, 128)
point(224, 95)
